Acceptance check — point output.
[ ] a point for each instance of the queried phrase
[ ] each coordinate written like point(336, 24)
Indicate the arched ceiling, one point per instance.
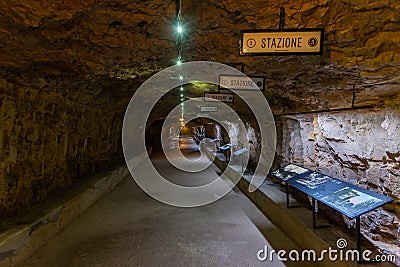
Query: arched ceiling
point(117, 44)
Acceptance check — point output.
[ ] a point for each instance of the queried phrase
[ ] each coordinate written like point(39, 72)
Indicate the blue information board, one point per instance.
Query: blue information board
point(348, 199)
point(241, 151)
point(225, 147)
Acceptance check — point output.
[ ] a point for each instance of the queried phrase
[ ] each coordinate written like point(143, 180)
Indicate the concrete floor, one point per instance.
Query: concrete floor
point(128, 228)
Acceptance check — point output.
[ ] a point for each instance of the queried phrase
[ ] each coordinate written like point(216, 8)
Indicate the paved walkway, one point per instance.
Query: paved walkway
point(128, 228)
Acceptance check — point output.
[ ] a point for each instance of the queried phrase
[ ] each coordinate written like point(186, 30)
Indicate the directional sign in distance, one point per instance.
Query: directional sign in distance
point(241, 82)
point(209, 109)
point(223, 97)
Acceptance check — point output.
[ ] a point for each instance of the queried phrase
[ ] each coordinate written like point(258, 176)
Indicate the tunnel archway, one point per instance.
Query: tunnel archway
point(198, 129)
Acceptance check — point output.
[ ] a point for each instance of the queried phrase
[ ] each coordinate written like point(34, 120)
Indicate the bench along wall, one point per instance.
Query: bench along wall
point(50, 137)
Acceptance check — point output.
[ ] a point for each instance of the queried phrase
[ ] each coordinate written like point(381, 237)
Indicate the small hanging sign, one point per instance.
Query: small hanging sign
point(308, 41)
point(208, 109)
point(241, 82)
point(212, 97)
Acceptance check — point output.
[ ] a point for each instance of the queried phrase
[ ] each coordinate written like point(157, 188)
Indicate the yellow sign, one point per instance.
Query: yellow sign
point(273, 42)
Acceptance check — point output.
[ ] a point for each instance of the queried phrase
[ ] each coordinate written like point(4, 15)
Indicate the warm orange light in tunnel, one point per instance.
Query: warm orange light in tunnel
point(185, 131)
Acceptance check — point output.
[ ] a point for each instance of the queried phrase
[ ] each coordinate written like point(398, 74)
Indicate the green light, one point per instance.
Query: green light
point(180, 77)
point(181, 88)
point(179, 62)
point(181, 95)
point(180, 29)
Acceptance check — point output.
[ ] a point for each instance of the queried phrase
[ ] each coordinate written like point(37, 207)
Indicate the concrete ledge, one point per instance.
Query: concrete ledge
point(279, 215)
point(47, 219)
point(31, 230)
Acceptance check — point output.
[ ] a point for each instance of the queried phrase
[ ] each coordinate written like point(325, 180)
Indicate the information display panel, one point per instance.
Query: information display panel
point(225, 147)
point(241, 151)
point(289, 171)
point(348, 199)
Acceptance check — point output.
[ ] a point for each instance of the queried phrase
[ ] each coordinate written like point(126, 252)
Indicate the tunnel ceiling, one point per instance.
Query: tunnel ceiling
point(116, 45)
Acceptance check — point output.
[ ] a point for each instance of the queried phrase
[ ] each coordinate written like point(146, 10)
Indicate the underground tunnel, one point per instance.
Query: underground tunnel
point(325, 71)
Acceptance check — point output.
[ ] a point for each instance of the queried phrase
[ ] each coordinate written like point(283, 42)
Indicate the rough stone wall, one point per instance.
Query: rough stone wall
point(361, 147)
point(84, 39)
point(125, 39)
point(51, 138)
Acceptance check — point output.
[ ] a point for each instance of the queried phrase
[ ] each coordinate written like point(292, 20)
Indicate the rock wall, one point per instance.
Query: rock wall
point(53, 132)
point(50, 137)
point(361, 147)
